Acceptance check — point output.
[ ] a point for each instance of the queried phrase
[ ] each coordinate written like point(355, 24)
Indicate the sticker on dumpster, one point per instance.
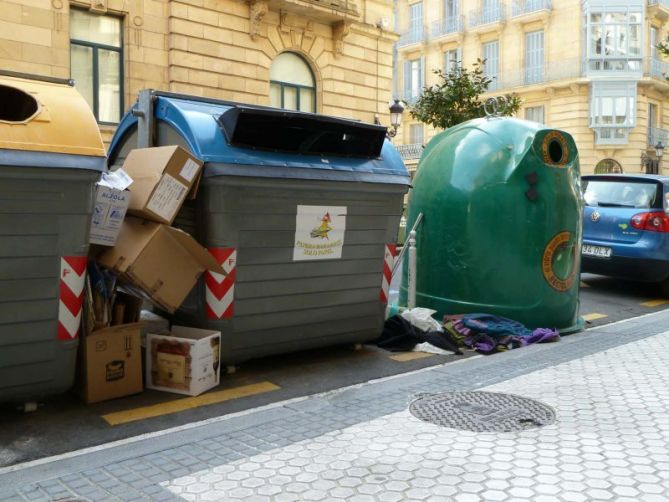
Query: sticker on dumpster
point(319, 232)
point(220, 289)
point(559, 261)
point(72, 279)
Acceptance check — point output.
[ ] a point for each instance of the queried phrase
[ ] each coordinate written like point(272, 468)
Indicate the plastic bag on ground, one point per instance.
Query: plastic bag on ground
point(422, 319)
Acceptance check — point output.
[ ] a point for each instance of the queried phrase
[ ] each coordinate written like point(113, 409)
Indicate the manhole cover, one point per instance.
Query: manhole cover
point(482, 411)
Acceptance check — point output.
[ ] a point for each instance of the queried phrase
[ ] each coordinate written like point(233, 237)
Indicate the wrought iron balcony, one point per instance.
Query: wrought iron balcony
point(481, 17)
point(522, 7)
point(410, 152)
point(656, 68)
point(556, 70)
point(412, 36)
point(657, 135)
point(448, 25)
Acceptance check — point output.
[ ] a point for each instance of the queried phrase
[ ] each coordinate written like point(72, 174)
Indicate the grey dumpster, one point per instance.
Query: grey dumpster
point(302, 210)
point(51, 153)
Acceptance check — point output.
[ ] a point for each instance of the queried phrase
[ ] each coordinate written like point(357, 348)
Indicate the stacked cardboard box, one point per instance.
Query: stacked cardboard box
point(145, 259)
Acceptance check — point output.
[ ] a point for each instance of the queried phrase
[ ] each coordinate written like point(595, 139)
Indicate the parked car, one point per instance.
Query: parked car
point(626, 227)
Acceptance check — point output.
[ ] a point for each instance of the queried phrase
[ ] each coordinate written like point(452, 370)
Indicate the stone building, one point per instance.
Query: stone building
point(589, 67)
point(329, 56)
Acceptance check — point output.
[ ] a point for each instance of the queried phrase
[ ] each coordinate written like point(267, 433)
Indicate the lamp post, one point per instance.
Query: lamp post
point(396, 111)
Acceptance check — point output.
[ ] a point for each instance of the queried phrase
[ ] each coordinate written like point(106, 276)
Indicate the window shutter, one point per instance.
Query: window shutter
point(407, 79)
point(421, 72)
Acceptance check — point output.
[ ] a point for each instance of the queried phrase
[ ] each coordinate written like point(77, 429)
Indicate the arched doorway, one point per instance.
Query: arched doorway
point(608, 166)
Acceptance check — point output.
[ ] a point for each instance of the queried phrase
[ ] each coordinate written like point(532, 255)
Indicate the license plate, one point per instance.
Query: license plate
point(596, 251)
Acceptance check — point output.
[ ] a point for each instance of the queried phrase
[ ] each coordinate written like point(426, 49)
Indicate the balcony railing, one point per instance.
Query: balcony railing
point(663, 3)
point(613, 66)
point(448, 25)
point(410, 152)
point(556, 70)
point(490, 15)
point(656, 68)
point(412, 36)
point(522, 7)
point(655, 135)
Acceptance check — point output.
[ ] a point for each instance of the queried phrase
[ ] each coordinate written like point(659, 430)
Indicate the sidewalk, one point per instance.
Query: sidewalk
point(609, 388)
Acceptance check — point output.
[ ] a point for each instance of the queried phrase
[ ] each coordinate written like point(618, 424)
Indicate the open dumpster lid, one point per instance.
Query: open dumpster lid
point(301, 133)
point(43, 117)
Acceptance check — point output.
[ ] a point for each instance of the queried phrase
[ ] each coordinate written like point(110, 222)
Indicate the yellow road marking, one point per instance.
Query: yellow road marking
point(123, 417)
point(411, 356)
point(593, 316)
point(655, 303)
point(584, 285)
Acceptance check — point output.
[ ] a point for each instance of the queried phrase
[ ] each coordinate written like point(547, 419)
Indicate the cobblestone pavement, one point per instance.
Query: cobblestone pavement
point(608, 386)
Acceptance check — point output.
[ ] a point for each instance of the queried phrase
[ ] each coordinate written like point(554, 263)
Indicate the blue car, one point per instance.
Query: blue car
point(626, 227)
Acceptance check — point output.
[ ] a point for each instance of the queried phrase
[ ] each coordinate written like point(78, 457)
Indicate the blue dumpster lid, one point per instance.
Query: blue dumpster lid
point(243, 140)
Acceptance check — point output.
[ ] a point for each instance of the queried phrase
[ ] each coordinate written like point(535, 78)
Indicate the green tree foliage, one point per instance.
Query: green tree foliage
point(457, 98)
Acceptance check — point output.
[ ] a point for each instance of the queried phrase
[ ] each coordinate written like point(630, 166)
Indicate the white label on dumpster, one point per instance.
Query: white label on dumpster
point(189, 170)
point(167, 197)
point(319, 232)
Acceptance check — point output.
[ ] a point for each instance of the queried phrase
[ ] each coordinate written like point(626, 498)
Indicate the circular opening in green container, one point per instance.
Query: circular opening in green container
point(555, 151)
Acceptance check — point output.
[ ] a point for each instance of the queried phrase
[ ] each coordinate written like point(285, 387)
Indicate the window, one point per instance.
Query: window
point(451, 8)
point(416, 18)
point(416, 134)
point(452, 60)
point(534, 57)
point(535, 113)
point(612, 111)
point(491, 57)
point(413, 79)
point(653, 42)
point(96, 62)
point(614, 39)
point(291, 83)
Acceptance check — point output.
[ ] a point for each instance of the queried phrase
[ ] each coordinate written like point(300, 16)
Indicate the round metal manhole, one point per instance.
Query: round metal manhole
point(482, 411)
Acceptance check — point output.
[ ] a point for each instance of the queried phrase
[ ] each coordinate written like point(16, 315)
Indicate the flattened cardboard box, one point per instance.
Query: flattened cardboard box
point(161, 262)
point(186, 362)
point(112, 363)
point(162, 177)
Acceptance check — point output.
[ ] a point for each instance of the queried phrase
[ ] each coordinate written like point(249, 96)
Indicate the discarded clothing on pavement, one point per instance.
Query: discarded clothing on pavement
point(487, 333)
point(400, 335)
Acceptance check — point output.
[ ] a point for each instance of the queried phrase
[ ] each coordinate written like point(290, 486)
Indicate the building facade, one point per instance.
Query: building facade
point(589, 67)
point(333, 57)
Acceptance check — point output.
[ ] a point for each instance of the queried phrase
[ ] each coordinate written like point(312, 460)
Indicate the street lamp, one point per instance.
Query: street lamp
point(396, 111)
point(652, 165)
point(659, 151)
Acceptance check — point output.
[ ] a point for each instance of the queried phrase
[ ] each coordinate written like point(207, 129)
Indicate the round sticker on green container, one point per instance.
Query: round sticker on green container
point(559, 261)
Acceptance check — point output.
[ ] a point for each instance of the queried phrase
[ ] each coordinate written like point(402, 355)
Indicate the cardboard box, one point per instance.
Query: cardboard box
point(111, 363)
point(185, 362)
point(108, 214)
point(160, 263)
point(162, 177)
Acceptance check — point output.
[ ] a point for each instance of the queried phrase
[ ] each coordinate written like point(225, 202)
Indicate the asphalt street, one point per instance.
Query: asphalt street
point(64, 424)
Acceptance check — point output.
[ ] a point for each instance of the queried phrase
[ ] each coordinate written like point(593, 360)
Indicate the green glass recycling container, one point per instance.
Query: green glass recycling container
point(502, 229)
